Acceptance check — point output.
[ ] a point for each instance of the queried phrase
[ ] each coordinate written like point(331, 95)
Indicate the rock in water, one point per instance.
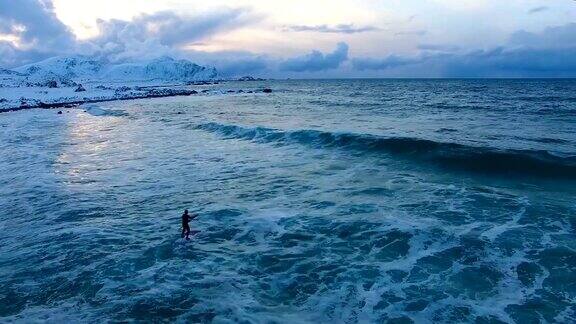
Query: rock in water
point(123, 89)
point(80, 88)
point(267, 90)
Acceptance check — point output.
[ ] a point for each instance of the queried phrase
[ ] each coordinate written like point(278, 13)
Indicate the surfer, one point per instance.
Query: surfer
point(186, 218)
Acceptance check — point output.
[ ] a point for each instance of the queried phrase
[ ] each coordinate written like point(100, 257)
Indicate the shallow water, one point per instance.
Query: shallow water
point(325, 201)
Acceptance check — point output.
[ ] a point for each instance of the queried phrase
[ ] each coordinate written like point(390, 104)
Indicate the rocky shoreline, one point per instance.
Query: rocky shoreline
point(105, 94)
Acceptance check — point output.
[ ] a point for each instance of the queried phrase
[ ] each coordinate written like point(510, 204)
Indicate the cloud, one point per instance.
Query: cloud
point(391, 61)
point(30, 31)
point(11, 56)
point(36, 29)
point(162, 33)
point(242, 67)
point(551, 37)
point(438, 48)
point(317, 61)
point(524, 62)
point(551, 53)
point(39, 34)
point(233, 63)
point(338, 29)
point(34, 23)
point(538, 9)
point(171, 29)
point(412, 33)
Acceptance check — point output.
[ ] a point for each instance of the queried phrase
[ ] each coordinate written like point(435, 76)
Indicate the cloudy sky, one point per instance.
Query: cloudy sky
point(304, 38)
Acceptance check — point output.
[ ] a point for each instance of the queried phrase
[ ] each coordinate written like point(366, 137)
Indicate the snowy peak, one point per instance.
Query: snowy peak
point(165, 68)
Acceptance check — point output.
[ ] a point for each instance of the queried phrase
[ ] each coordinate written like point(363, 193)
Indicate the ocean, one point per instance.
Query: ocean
point(325, 201)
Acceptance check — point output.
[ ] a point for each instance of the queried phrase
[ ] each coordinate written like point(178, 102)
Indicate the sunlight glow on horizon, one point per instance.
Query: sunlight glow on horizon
point(398, 21)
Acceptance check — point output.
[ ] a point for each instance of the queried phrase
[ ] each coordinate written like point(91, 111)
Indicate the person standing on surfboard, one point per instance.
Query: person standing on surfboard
point(186, 218)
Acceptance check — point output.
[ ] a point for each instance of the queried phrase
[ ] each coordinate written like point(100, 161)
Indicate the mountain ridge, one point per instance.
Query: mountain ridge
point(69, 70)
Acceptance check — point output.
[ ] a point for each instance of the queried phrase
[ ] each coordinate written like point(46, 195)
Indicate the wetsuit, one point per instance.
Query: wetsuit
point(186, 218)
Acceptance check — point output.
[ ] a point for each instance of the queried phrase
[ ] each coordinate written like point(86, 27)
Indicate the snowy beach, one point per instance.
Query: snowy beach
point(66, 81)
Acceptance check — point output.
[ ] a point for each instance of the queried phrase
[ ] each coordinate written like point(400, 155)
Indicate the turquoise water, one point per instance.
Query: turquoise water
point(326, 201)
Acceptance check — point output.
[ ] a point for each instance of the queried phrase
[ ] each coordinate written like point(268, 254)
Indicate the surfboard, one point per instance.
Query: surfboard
point(192, 233)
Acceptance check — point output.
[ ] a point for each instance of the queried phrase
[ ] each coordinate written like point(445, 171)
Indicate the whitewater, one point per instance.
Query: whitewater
point(333, 201)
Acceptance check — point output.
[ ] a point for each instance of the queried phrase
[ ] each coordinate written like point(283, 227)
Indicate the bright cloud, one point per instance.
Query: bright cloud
point(317, 61)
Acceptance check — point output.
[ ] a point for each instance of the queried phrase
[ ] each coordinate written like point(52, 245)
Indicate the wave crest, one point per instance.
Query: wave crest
point(470, 158)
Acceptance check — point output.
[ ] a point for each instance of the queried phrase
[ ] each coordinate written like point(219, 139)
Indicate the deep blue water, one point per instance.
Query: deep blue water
point(347, 201)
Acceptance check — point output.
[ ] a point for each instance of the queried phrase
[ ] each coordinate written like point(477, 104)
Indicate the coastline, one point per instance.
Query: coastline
point(22, 98)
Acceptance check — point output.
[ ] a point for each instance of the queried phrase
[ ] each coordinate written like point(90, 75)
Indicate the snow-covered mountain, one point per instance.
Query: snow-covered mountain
point(165, 68)
point(77, 69)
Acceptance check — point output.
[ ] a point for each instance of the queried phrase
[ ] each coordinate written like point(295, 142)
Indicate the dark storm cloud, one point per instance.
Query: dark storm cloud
point(317, 61)
point(338, 29)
